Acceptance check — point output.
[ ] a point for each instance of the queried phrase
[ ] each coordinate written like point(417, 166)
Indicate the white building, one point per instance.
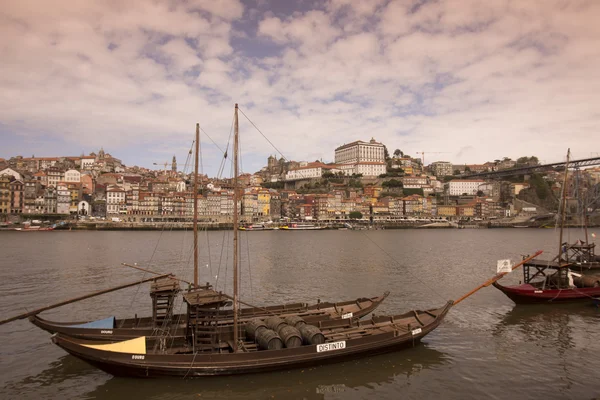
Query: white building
point(115, 200)
point(458, 187)
point(311, 170)
point(72, 175)
point(87, 162)
point(63, 199)
point(11, 172)
point(366, 158)
point(359, 151)
point(370, 168)
point(84, 208)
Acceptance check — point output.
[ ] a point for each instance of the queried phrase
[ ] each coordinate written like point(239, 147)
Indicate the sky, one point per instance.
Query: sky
point(464, 81)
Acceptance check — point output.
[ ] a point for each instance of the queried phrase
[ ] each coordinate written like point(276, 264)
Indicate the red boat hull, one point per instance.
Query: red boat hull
point(528, 294)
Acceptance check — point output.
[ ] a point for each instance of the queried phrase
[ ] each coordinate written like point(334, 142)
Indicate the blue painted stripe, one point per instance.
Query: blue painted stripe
point(106, 323)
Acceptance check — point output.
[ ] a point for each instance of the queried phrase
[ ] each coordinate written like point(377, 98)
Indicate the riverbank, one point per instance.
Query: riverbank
point(185, 226)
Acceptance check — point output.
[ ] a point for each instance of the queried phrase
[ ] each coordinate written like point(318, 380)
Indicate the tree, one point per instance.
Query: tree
point(480, 193)
point(392, 183)
point(398, 152)
point(355, 215)
point(386, 154)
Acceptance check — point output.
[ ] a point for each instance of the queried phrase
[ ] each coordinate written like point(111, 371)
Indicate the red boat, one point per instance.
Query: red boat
point(557, 280)
point(529, 294)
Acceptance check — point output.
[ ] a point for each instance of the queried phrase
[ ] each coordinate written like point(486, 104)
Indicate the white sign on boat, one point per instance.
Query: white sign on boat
point(331, 346)
point(416, 331)
point(347, 315)
point(504, 266)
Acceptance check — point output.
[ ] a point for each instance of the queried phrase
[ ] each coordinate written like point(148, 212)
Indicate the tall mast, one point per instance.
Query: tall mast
point(196, 205)
point(584, 203)
point(235, 229)
point(563, 208)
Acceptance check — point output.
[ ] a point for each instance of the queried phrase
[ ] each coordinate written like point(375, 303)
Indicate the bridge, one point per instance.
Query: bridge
point(531, 169)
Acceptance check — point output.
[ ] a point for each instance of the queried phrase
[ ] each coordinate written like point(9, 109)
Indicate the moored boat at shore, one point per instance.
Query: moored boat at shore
point(332, 341)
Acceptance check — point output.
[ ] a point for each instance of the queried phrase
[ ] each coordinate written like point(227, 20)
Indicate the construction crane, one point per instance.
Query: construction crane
point(171, 164)
point(430, 152)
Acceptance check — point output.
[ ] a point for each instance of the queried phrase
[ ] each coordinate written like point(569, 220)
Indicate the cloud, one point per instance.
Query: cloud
point(482, 81)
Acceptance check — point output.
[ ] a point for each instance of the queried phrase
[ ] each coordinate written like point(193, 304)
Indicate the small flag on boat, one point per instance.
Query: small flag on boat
point(593, 235)
point(504, 266)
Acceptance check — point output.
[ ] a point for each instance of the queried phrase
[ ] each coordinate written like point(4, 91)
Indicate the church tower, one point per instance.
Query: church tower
point(174, 165)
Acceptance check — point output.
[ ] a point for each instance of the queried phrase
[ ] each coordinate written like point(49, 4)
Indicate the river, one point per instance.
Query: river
point(486, 348)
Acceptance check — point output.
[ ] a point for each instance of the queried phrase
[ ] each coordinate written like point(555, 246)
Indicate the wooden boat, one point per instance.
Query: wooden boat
point(528, 293)
point(553, 281)
point(257, 345)
point(341, 340)
point(111, 329)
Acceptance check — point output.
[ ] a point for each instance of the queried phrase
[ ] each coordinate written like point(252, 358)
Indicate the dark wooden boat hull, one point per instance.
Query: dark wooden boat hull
point(135, 327)
point(528, 294)
point(201, 364)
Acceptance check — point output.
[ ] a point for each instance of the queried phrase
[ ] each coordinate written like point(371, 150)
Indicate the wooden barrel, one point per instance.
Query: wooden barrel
point(291, 336)
point(311, 334)
point(586, 281)
point(254, 326)
point(294, 320)
point(274, 323)
point(268, 340)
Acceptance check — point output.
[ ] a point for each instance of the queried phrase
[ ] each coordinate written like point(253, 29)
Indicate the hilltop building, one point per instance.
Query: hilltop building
point(367, 158)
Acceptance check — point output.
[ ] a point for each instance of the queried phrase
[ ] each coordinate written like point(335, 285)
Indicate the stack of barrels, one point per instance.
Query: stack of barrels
point(274, 333)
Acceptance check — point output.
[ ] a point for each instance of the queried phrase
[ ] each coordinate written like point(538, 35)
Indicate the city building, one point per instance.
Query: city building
point(459, 187)
point(366, 158)
point(441, 168)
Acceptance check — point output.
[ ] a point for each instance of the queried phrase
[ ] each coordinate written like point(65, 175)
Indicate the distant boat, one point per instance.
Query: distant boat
point(35, 228)
point(302, 227)
point(256, 227)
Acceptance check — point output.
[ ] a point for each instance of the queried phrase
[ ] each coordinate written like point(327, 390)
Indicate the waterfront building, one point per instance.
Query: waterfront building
point(63, 198)
point(115, 200)
point(5, 194)
point(84, 208)
point(50, 200)
point(263, 203)
point(446, 210)
point(16, 197)
point(31, 192)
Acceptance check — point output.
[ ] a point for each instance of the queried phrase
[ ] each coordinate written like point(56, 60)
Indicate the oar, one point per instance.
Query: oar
point(87, 296)
point(497, 276)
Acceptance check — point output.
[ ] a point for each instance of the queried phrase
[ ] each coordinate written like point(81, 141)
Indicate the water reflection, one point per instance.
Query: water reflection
point(310, 383)
point(546, 326)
